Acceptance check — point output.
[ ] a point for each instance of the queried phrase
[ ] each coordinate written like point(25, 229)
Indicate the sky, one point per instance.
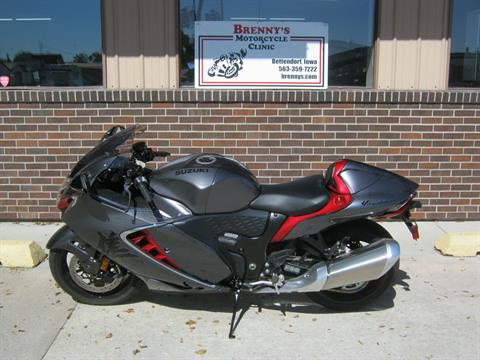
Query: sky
point(466, 25)
point(64, 27)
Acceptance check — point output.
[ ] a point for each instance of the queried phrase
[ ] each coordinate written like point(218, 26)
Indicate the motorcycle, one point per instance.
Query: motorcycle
point(202, 223)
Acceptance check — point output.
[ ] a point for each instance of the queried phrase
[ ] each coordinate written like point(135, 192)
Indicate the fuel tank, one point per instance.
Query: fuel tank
point(206, 183)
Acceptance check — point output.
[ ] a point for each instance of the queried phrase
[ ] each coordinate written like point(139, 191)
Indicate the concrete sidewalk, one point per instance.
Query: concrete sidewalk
point(432, 313)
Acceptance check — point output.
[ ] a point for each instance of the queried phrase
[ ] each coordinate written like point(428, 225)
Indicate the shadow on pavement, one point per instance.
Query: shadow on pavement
point(294, 303)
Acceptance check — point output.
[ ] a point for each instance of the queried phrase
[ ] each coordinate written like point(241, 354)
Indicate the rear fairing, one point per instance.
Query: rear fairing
point(373, 192)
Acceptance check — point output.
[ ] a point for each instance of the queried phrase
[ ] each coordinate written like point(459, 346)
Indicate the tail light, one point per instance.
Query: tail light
point(414, 231)
point(403, 212)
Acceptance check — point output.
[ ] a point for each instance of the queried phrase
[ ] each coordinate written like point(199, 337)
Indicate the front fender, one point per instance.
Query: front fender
point(64, 238)
point(60, 238)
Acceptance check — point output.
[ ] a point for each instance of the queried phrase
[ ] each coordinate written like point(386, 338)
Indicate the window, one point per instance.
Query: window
point(465, 47)
point(50, 43)
point(351, 26)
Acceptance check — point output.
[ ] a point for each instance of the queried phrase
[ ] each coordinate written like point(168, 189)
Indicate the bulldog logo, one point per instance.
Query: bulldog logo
point(228, 65)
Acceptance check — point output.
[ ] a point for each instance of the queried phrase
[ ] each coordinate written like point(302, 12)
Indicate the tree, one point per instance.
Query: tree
point(22, 56)
point(95, 57)
point(81, 58)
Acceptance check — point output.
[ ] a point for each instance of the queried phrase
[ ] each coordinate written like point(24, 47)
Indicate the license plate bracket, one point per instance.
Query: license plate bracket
point(411, 225)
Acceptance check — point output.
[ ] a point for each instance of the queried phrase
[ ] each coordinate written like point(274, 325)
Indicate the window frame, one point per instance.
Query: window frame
point(101, 12)
point(449, 55)
point(374, 56)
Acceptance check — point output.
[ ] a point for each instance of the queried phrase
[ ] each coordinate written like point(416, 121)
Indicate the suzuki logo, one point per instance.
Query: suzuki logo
point(190, 171)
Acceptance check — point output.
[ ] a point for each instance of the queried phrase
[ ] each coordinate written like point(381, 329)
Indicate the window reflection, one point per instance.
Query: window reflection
point(50, 43)
point(465, 48)
point(350, 23)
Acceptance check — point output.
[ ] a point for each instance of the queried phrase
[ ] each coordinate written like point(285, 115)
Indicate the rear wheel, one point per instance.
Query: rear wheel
point(110, 287)
point(354, 296)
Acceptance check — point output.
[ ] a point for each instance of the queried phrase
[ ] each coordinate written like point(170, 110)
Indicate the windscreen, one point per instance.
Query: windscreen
point(106, 147)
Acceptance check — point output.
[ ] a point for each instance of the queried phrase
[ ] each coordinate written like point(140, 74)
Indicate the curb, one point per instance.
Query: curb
point(20, 253)
point(465, 243)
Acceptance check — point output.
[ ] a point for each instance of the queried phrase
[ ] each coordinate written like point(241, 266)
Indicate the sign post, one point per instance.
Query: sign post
point(249, 54)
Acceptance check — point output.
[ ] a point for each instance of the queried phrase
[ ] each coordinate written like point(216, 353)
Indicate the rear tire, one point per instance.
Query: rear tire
point(119, 295)
point(355, 301)
point(358, 230)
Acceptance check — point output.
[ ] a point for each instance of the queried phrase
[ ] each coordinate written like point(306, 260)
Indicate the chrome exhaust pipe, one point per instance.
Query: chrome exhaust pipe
point(367, 263)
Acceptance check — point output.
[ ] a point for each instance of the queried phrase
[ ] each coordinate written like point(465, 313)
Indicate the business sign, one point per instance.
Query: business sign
point(251, 54)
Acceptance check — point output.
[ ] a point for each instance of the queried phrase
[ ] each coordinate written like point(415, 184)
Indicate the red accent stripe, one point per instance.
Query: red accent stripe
point(340, 186)
point(339, 199)
point(136, 237)
point(148, 247)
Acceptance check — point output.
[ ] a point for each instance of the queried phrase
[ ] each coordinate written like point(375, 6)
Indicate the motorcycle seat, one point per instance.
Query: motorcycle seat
point(298, 197)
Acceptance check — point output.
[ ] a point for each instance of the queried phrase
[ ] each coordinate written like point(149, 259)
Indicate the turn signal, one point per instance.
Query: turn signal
point(414, 231)
point(64, 202)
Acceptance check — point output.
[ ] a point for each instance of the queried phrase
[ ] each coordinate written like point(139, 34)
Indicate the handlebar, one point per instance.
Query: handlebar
point(141, 183)
point(143, 153)
point(161, 153)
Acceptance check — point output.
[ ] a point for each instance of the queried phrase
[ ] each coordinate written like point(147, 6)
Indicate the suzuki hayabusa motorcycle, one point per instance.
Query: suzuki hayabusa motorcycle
point(202, 223)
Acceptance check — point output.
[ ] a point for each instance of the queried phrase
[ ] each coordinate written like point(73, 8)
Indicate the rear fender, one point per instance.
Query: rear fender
point(357, 230)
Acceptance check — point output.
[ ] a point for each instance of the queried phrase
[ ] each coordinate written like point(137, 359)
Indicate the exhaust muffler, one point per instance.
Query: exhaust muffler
point(367, 263)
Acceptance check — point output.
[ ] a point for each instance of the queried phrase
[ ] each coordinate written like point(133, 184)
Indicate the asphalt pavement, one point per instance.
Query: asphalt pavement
point(432, 312)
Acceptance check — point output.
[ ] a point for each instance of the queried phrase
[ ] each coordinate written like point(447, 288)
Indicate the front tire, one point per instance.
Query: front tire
point(343, 299)
point(59, 266)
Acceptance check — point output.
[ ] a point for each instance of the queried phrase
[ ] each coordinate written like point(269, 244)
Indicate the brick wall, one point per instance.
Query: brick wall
point(430, 137)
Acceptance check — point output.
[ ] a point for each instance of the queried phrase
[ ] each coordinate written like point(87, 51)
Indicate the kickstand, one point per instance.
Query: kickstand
point(233, 324)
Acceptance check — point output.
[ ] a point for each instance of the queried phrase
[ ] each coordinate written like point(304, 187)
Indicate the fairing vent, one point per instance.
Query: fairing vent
point(143, 240)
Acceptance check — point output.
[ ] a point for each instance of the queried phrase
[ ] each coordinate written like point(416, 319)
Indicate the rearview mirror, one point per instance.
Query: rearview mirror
point(112, 131)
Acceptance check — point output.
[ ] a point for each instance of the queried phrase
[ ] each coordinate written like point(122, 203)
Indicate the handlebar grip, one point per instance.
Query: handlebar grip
point(141, 184)
point(161, 153)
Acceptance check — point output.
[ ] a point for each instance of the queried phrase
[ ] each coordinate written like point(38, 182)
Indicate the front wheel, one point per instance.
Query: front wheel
point(111, 287)
point(352, 297)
